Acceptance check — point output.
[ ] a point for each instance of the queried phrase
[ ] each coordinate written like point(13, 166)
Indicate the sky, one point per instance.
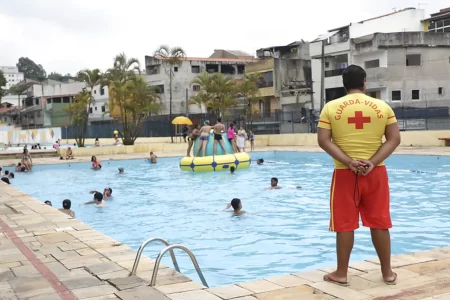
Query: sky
point(66, 36)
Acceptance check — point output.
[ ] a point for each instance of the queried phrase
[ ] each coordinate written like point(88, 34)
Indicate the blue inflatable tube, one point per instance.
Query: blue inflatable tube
point(210, 146)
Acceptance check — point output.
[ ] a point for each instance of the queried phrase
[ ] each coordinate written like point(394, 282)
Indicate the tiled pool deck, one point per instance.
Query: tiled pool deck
point(46, 255)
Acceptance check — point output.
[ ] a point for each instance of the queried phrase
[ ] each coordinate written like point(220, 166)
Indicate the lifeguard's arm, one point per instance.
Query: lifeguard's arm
point(324, 139)
point(392, 134)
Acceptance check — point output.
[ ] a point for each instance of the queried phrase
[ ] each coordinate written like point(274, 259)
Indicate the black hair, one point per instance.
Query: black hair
point(274, 179)
point(23, 169)
point(232, 169)
point(6, 180)
point(92, 158)
point(98, 196)
point(19, 165)
point(2, 168)
point(235, 203)
point(231, 125)
point(219, 119)
point(6, 172)
point(110, 190)
point(67, 204)
point(48, 202)
point(353, 78)
point(11, 175)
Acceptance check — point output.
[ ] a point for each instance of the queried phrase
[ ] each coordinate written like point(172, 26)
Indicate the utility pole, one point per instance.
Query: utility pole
point(187, 104)
point(322, 79)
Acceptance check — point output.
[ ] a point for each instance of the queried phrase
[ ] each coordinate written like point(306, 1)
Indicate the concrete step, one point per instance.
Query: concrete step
point(34, 154)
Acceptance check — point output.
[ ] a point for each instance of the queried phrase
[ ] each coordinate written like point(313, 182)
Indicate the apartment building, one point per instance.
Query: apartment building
point(438, 22)
point(228, 62)
point(332, 52)
point(98, 112)
point(12, 76)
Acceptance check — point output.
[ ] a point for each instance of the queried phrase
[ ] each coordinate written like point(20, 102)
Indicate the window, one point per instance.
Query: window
point(396, 96)
point(175, 69)
point(90, 110)
point(102, 91)
point(95, 108)
point(415, 94)
point(103, 108)
point(49, 101)
point(196, 88)
point(38, 114)
point(195, 69)
point(413, 59)
point(66, 100)
point(327, 64)
point(36, 101)
point(95, 91)
point(372, 64)
point(440, 90)
point(159, 89)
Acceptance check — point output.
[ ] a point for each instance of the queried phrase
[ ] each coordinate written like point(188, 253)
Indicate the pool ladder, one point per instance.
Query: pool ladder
point(160, 256)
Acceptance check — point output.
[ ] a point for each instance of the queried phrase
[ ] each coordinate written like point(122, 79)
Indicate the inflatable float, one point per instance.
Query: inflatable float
point(218, 162)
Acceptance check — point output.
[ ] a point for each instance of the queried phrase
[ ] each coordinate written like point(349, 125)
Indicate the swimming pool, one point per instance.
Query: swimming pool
point(289, 235)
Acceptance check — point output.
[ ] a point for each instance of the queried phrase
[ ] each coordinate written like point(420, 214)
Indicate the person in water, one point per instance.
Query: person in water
point(48, 202)
point(98, 200)
point(204, 132)
point(107, 193)
point(153, 157)
point(232, 169)
point(67, 204)
point(218, 129)
point(96, 164)
point(237, 207)
point(260, 161)
point(121, 170)
point(274, 184)
point(192, 137)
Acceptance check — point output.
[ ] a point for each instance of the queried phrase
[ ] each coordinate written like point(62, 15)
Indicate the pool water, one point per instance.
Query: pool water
point(290, 232)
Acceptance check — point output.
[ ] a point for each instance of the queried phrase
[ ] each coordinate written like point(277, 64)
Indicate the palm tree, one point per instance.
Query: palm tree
point(124, 68)
point(248, 90)
point(78, 116)
point(171, 57)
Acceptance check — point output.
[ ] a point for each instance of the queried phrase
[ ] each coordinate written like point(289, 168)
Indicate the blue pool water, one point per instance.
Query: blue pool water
point(289, 234)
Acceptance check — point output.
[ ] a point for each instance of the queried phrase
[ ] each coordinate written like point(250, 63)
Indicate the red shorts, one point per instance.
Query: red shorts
point(351, 196)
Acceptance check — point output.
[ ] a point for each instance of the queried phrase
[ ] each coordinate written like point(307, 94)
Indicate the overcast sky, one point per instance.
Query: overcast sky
point(68, 35)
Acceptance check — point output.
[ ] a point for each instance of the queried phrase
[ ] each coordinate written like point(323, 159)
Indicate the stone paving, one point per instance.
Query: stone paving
point(46, 255)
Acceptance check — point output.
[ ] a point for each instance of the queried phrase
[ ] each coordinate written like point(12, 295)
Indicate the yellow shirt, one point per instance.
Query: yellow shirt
point(357, 123)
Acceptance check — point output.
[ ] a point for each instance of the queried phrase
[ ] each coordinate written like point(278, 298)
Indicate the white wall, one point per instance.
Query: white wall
point(408, 20)
point(12, 75)
point(100, 103)
point(380, 55)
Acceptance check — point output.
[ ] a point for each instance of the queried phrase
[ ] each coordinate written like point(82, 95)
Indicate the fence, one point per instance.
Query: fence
point(412, 115)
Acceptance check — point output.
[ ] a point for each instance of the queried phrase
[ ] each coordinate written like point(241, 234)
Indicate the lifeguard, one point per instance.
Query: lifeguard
point(351, 129)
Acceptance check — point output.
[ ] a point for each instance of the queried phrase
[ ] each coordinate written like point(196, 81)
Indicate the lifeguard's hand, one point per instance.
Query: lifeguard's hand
point(368, 167)
point(356, 166)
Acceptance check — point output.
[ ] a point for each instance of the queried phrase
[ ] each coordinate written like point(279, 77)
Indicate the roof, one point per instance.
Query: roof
point(293, 44)
point(239, 53)
point(242, 60)
point(437, 16)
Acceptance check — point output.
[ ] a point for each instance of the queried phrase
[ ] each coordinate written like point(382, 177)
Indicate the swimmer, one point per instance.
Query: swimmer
point(48, 203)
point(218, 129)
point(153, 157)
point(6, 180)
point(107, 193)
point(274, 184)
point(18, 168)
point(232, 169)
point(204, 134)
point(96, 164)
point(67, 204)
point(260, 161)
point(10, 175)
point(121, 170)
point(98, 200)
point(237, 207)
point(192, 137)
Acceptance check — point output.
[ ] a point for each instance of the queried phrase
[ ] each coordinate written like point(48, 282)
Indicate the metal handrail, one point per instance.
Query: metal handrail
point(141, 249)
point(170, 248)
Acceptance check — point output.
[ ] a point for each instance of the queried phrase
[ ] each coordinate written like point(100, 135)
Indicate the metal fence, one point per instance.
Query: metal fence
point(420, 115)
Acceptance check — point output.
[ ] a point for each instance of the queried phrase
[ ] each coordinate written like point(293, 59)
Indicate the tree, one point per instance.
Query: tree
point(217, 92)
point(249, 91)
point(124, 68)
point(58, 77)
point(134, 100)
point(78, 114)
point(31, 70)
point(2, 84)
point(171, 57)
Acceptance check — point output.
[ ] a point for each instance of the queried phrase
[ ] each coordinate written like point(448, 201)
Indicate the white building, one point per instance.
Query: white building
point(12, 75)
point(339, 48)
point(227, 62)
point(99, 109)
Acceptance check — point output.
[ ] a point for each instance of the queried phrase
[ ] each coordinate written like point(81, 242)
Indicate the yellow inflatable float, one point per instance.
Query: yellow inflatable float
point(219, 162)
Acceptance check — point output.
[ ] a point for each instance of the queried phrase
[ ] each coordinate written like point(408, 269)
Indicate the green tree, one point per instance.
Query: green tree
point(248, 91)
point(171, 57)
point(31, 70)
point(2, 85)
point(78, 115)
point(58, 77)
point(217, 92)
point(130, 103)
point(124, 68)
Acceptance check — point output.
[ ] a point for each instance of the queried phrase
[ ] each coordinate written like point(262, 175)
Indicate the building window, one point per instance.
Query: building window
point(327, 64)
point(196, 88)
point(95, 108)
point(102, 91)
point(36, 101)
point(413, 59)
point(90, 110)
point(66, 100)
point(415, 94)
point(103, 108)
point(159, 89)
point(440, 90)
point(38, 114)
point(195, 69)
point(95, 91)
point(372, 64)
point(175, 69)
point(396, 96)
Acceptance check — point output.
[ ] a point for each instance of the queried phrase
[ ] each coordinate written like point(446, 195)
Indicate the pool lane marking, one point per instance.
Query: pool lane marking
point(57, 285)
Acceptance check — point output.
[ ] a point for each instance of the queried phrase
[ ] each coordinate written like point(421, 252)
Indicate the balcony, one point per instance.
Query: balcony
point(260, 66)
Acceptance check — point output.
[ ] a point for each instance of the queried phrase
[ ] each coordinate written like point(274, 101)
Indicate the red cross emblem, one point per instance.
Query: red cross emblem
point(359, 120)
